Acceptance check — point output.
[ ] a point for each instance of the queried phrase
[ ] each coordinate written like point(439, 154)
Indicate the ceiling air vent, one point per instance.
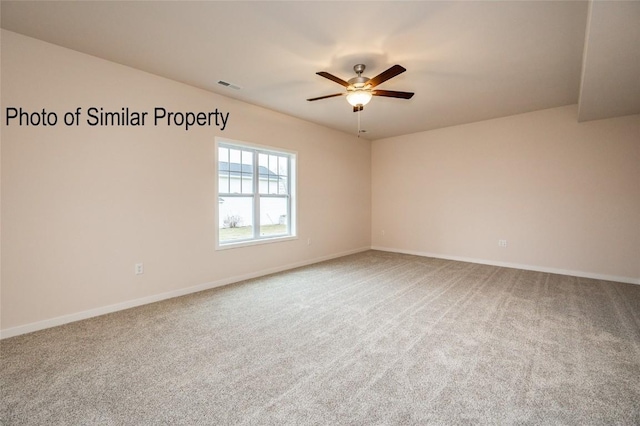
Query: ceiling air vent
point(229, 85)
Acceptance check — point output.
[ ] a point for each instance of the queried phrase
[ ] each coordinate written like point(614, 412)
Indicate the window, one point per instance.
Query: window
point(256, 190)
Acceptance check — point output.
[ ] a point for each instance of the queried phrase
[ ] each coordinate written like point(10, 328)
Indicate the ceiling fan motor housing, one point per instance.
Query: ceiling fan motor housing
point(358, 82)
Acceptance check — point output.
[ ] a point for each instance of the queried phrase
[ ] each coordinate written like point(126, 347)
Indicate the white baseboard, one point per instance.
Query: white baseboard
point(65, 319)
point(581, 274)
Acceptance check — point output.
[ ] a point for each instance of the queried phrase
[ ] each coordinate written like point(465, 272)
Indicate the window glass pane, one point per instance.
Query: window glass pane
point(223, 154)
point(234, 171)
point(235, 218)
point(273, 216)
point(234, 155)
point(273, 174)
point(283, 173)
point(223, 170)
point(263, 173)
point(283, 166)
point(246, 182)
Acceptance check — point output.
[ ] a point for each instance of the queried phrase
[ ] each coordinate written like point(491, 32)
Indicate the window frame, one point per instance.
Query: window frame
point(255, 195)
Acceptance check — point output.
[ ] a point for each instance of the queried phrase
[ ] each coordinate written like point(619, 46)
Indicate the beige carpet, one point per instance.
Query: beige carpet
point(373, 338)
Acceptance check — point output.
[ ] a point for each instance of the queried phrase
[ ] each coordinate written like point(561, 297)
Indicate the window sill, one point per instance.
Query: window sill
point(226, 246)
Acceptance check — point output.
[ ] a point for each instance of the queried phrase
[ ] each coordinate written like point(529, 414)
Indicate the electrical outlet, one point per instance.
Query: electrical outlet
point(502, 243)
point(139, 268)
point(308, 241)
point(383, 232)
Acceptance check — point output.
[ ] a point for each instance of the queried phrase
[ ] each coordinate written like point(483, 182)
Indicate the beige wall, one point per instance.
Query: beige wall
point(82, 205)
point(566, 196)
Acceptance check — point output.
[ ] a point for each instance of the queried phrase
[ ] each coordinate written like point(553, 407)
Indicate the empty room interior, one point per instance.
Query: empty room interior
point(355, 213)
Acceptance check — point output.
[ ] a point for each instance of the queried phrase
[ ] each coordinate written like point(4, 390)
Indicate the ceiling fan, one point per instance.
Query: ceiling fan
point(360, 89)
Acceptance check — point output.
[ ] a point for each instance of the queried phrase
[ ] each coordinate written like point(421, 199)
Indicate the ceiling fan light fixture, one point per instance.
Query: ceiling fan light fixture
point(359, 97)
point(360, 89)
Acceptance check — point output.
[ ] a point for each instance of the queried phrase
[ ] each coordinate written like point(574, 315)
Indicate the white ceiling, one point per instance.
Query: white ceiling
point(466, 61)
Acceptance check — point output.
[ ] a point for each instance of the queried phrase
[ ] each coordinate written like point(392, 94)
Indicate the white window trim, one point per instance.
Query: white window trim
point(293, 178)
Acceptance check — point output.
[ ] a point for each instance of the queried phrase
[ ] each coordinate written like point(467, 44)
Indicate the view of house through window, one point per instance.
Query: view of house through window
point(254, 193)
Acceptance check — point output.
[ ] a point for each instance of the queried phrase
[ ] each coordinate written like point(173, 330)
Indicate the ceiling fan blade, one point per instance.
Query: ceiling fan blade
point(325, 97)
point(392, 94)
point(386, 75)
point(333, 78)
